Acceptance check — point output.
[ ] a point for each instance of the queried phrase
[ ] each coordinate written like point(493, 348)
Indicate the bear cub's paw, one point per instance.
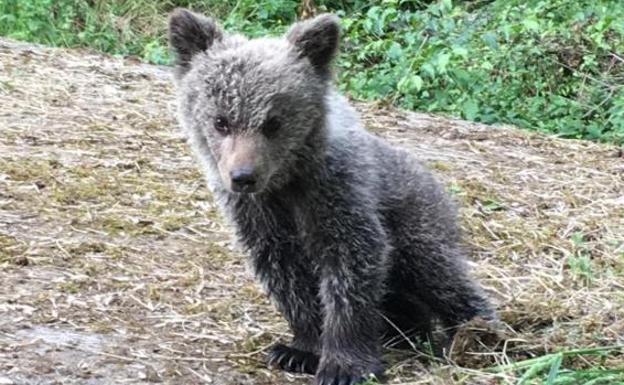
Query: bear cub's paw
point(334, 373)
point(292, 360)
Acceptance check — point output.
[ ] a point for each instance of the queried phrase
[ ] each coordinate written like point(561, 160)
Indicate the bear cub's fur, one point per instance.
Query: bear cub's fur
point(351, 237)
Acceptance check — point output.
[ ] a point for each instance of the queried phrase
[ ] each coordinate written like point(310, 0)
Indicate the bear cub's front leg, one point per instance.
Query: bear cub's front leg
point(354, 263)
point(333, 309)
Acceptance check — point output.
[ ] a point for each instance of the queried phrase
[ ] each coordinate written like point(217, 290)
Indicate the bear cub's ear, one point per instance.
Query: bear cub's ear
point(316, 39)
point(190, 34)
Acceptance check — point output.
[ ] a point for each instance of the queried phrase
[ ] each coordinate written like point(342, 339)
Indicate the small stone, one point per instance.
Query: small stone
point(152, 375)
point(21, 260)
point(6, 381)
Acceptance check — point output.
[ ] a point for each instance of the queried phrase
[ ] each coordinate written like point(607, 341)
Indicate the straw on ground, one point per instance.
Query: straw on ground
point(116, 266)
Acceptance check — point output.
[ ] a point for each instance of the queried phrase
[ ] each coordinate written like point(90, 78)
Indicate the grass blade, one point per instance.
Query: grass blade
point(554, 369)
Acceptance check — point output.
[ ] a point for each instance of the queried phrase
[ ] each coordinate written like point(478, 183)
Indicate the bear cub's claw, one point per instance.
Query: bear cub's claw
point(292, 360)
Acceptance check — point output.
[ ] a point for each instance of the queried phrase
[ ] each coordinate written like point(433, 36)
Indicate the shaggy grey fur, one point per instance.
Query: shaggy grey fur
point(344, 231)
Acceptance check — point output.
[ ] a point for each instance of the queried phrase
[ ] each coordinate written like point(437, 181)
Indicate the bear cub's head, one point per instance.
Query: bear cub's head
point(252, 106)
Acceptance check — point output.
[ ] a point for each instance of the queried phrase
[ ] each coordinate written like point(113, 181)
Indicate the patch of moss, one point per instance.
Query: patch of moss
point(9, 248)
point(153, 292)
point(217, 255)
point(474, 190)
point(440, 165)
point(116, 252)
point(102, 326)
point(253, 343)
point(7, 86)
point(196, 308)
point(173, 222)
point(87, 248)
point(71, 287)
point(252, 293)
point(117, 225)
point(29, 170)
point(86, 189)
point(91, 269)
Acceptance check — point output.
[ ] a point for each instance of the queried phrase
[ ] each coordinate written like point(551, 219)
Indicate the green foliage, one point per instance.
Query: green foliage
point(549, 369)
point(580, 263)
point(120, 27)
point(555, 66)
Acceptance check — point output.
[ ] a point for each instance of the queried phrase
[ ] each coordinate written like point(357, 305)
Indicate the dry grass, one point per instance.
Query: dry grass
point(116, 266)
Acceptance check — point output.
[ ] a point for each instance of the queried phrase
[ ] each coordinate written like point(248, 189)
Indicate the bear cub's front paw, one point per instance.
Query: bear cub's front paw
point(292, 360)
point(333, 373)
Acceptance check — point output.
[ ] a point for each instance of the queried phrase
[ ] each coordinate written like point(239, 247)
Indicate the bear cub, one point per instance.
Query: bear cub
point(352, 238)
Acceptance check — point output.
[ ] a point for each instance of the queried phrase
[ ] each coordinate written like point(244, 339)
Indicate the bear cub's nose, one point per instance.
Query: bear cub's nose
point(243, 179)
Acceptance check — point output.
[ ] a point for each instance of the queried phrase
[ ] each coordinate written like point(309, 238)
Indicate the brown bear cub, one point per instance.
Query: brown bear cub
point(351, 237)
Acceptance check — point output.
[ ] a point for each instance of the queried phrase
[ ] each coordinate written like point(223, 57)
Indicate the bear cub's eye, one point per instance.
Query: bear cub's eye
point(221, 125)
point(271, 126)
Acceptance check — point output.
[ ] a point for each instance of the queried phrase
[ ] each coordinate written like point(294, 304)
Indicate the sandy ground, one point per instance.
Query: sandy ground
point(116, 267)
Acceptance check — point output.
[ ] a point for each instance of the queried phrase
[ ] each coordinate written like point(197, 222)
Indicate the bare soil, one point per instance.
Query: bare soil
point(117, 268)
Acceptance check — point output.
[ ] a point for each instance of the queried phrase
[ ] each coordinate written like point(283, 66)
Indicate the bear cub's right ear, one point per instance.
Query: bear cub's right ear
point(317, 40)
point(190, 34)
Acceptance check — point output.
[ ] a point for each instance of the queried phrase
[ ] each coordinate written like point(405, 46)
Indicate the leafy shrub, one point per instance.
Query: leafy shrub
point(120, 27)
point(555, 66)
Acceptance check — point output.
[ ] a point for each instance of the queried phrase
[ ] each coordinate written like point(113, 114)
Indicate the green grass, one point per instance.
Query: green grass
point(555, 66)
point(550, 369)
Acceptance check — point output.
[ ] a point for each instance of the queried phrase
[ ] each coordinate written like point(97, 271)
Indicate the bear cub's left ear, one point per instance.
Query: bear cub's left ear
point(317, 40)
point(190, 34)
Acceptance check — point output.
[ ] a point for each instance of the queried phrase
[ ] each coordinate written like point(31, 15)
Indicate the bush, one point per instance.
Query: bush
point(555, 66)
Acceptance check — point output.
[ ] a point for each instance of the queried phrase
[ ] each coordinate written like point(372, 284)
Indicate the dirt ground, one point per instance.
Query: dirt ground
point(116, 267)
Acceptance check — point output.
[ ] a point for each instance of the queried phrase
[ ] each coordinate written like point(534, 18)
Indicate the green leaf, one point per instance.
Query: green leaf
point(442, 62)
point(428, 69)
point(531, 24)
point(409, 84)
point(554, 369)
point(470, 109)
point(460, 51)
point(489, 38)
point(395, 52)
